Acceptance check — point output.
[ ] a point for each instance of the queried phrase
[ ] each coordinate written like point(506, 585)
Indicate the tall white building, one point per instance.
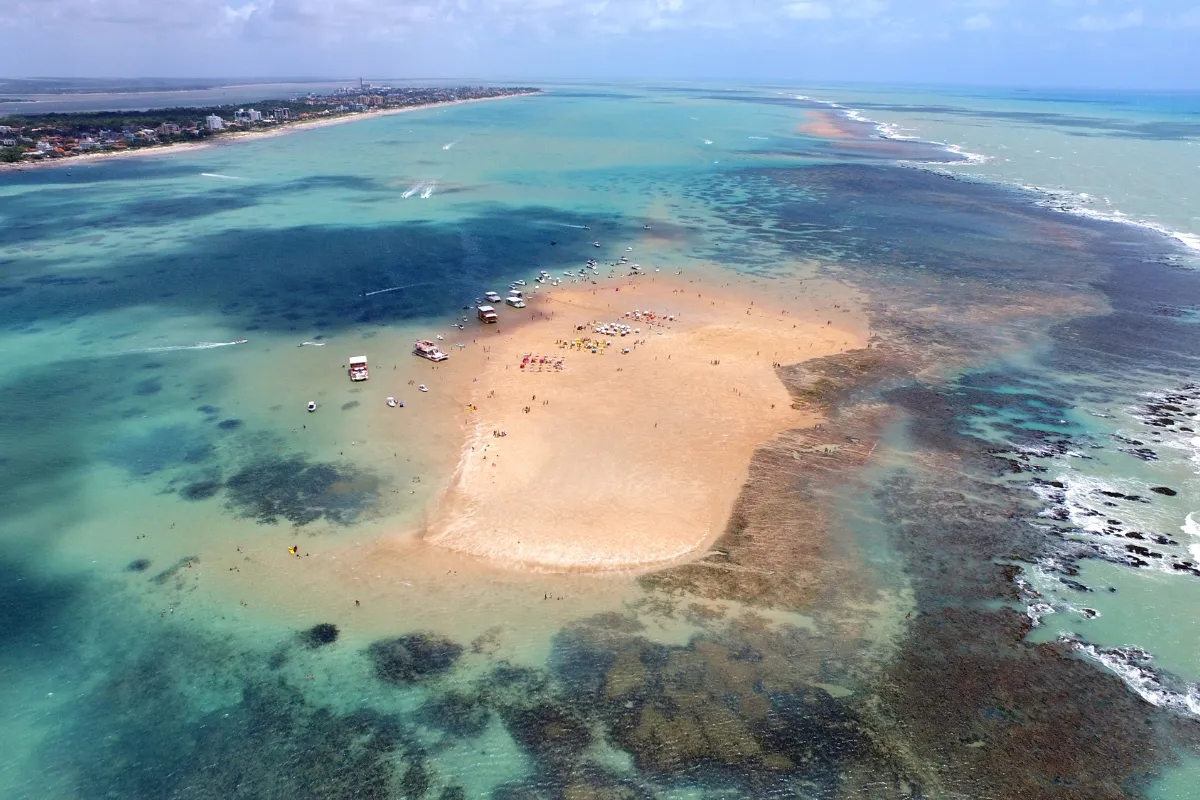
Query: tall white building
point(254, 116)
point(214, 123)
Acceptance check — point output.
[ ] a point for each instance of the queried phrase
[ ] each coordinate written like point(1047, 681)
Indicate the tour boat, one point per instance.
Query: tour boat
point(358, 368)
point(427, 349)
point(312, 406)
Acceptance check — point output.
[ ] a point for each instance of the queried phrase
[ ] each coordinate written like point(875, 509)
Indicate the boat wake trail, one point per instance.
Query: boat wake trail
point(397, 288)
point(564, 224)
point(451, 144)
point(222, 177)
point(428, 190)
point(416, 187)
point(173, 347)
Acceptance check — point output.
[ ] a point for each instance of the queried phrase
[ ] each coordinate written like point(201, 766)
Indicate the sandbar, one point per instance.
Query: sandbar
point(622, 460)
point(825, 125)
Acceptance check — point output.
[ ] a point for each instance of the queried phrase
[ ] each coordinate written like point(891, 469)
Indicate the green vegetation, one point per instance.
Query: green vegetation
point(9, 155)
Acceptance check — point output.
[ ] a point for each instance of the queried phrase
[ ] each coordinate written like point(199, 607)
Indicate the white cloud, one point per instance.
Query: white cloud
point(863, 9)
point(1103, 24)
point(978, 22)
point(808, 11)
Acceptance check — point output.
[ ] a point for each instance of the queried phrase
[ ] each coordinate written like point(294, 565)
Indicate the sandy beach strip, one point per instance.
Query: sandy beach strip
point(622, 460)
point(825, 125)
point(240, 136)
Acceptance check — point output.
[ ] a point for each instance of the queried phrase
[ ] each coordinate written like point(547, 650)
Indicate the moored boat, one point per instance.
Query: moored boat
point(428, 349)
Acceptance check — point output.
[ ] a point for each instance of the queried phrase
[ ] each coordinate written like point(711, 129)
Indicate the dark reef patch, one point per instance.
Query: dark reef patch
point(140, 734)
point(148, 387)
point(201, 490)
point(455, 713)
point(230, 424)
point(705, 712)
point(547, 731)
point(413, 657)
point(138, 565)
point(187, 562)
point(295, 490)
point(320, 635)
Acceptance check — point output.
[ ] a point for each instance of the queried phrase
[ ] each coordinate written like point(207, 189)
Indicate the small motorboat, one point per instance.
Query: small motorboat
point(440, 337)
point(423, 388)
point(311, 406)
point(241, 341)
point(391, 401)
point(628, 249)
point(595, 244)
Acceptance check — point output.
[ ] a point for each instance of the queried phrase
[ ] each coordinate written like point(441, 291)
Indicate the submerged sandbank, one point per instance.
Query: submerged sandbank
point(825, 125)
point(632, 455)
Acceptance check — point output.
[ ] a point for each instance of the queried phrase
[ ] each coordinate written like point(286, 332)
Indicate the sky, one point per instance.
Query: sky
point(1060, 43)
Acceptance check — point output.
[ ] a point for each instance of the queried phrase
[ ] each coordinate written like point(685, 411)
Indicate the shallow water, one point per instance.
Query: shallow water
point(866, 628)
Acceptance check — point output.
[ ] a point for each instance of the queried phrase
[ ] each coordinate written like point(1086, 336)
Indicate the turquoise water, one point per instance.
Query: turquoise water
point(160, 641)
point(1120, 155)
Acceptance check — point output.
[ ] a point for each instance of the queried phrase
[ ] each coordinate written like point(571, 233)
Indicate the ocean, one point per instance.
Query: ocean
point(988, 591)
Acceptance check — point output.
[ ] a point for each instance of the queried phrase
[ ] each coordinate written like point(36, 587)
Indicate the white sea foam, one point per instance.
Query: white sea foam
point(173, 347)
point(222, 177)
point(1192, 528)
point(393, 289)
point(1081, 204)
point(1134, 666)
point(1078, 203)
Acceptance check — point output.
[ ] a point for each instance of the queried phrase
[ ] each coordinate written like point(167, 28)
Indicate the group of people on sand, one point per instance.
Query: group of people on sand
point(530, 361)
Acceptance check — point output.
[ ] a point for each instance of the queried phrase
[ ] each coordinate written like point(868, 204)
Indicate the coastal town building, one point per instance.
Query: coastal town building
point(56, 135)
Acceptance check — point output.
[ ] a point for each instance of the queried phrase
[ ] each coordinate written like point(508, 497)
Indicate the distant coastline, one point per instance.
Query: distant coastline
point(279, 129)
